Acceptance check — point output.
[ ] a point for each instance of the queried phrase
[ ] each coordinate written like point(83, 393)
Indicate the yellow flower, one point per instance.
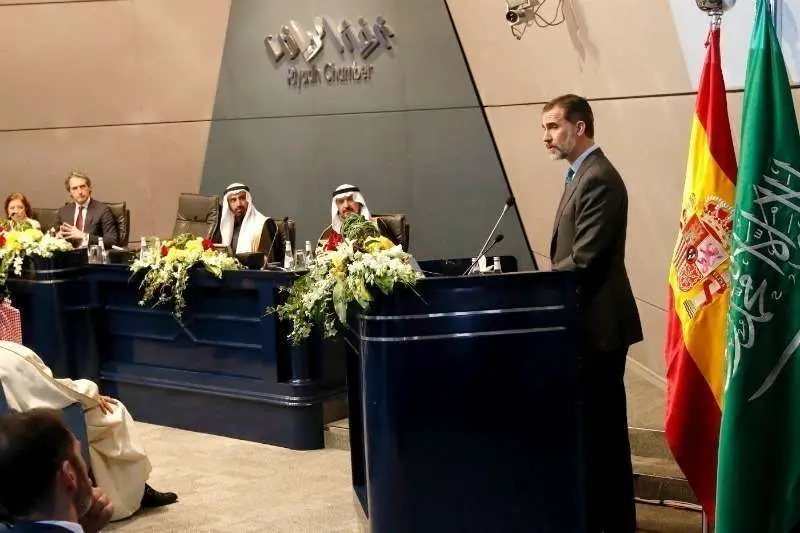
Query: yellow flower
point(174, 254)
point(12, 239)
point(195, 246)
point(33, 233)
point(386, 244)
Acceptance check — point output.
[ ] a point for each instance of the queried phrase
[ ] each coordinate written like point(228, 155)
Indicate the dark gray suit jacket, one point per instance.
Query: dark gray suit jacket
point(98, 221)
point(589, 237)
point(34, 527)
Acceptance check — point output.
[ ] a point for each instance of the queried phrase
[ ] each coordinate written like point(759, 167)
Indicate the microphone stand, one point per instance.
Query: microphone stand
point(497, 239)
point(509, 202)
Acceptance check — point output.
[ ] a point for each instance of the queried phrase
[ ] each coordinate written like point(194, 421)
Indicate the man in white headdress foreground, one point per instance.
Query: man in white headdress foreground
point(241, 226)
point(117, 458)
point(347, 200)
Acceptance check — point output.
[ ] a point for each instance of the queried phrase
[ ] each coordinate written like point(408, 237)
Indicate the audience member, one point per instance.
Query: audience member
point(85, 219)
point(118, 460)
point(46, 486)
point(18, 209)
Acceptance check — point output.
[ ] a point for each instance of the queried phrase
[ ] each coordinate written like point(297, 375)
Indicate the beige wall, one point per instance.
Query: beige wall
point(625, 56)
point(122, 89)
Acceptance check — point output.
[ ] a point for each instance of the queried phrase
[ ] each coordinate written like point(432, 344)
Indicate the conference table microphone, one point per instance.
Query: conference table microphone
point(499, 237)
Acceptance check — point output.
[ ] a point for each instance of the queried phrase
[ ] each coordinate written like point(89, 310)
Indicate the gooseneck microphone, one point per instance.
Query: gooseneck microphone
point(499, 237)
point(508, 205)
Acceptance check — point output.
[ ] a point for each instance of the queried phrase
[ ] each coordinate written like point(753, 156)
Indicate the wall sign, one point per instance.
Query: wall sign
point(293, 43)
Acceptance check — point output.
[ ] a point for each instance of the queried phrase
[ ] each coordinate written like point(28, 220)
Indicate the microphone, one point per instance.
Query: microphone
point(499, 237)
point(271, 244)
point(508, 205)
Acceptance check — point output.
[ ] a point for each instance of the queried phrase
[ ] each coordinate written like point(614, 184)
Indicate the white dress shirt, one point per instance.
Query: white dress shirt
point(72, 526)
point(85, 209)
point(581, 158)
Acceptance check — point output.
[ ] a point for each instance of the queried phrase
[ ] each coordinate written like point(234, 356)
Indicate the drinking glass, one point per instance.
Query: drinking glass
point(299, 260)
point(95, 254)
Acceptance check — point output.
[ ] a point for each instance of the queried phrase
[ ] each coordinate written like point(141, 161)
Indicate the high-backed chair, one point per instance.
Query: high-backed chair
point(285, 232)
point(46, 216)
point(123, 217)
point(197, 214)
point(394, 227)
point(271, 245)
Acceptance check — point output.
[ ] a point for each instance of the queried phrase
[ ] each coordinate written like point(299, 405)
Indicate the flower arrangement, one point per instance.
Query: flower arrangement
point(19, 240)
point(169, 267)
point(362, 262)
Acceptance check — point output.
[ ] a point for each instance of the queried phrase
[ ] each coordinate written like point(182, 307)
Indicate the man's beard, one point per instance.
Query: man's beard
point(561, 152)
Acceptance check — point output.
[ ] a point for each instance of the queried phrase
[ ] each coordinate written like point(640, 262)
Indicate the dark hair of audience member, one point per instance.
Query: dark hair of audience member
point(33, 446)
point(21, 197)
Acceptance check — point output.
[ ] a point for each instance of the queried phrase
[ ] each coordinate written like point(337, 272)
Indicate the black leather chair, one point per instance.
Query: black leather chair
point(285, 232)
point(123, 217)
point(46, 216)
point(271, 243)
point(394, 227)
point(197, 214)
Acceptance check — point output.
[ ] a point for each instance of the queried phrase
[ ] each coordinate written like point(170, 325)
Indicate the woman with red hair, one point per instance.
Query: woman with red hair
point(18, 209)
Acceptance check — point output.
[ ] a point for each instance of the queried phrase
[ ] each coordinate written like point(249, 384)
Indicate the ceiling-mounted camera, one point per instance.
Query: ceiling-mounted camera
point(519, 11)
point(715, 5)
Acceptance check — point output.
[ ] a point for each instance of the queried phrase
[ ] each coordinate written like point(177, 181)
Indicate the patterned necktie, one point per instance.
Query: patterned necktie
point(79, 219)
point(568, 178)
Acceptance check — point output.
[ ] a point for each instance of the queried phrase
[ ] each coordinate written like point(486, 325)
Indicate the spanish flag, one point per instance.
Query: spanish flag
point(698, 287)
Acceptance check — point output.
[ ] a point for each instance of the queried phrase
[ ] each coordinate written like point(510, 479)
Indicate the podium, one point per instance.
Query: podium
point(465, 406)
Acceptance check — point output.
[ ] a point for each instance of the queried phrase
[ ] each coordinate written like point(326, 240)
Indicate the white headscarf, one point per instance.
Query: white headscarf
point(252, 222)
point(342, 191)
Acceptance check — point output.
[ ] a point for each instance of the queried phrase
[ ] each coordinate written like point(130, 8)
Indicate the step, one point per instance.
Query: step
point(657, 478)
point(337, 434)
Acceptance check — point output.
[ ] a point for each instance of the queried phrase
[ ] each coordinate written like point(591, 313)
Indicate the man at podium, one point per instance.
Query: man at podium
point(589, 237)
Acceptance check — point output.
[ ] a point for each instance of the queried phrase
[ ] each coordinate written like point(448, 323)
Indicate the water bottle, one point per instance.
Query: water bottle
point(497, 267)
point(156, 249)
point(142, 249)
point(288, 259)
point(103, 251)
point(473, 262)
point(309, 253)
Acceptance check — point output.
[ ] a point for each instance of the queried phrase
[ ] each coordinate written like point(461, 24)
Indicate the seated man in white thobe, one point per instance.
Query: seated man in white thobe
point(347, 200)
point(117, 458)
point(241, 225)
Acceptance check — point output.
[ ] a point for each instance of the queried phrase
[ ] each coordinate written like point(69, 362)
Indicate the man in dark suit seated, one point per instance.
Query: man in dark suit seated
point(84, 220)
point(45, 484)
point(347, 200)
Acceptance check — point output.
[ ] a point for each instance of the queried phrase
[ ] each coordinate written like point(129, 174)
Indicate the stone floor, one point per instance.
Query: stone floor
point(227, 485)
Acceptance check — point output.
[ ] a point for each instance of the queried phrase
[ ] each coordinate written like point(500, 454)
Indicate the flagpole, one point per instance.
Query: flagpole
point(705, 524)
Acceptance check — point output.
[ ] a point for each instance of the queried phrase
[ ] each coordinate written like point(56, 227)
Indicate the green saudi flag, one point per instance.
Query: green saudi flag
point(758, 477)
